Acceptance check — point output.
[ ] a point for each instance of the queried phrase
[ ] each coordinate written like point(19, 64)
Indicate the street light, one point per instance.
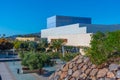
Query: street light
point(13, 56)
point(63, 51)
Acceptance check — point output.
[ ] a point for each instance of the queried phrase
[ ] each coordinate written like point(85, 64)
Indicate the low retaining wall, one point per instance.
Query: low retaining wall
point(81, 68)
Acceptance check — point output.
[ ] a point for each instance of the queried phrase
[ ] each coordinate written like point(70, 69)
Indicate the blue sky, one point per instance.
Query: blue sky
point(29, 16)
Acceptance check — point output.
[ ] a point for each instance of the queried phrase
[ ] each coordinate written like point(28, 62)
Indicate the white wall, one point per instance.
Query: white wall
point(74, 40)
point(63, 30)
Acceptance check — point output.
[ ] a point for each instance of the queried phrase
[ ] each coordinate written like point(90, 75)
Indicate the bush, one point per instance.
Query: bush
point(35, 60)
point(104, 46)
point(68, 56)
point(54, 55)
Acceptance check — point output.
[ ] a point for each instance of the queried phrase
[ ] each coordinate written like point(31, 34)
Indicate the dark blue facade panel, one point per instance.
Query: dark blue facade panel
point(57, 21)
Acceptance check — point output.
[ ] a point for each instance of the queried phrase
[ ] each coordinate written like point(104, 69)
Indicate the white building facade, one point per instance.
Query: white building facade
point(78, 34)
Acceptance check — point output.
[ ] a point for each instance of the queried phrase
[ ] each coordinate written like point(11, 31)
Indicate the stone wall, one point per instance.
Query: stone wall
point(80, 68)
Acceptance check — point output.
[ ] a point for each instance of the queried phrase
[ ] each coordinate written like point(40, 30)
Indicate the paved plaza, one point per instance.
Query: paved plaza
point(8, 71)
point(5, 72)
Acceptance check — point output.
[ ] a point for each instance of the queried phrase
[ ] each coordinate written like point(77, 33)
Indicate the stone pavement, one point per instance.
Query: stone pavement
point(5, 72)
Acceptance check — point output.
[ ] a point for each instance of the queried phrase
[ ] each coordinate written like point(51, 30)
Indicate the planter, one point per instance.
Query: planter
point(27, 70)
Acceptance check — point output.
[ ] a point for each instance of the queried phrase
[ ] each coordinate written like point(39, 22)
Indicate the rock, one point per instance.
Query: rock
point(83, 76)
point(93, 66)
point(59, 72)
point(62, 66)
point(74, 68)
point(118, 74)
point(102, 73)
point(72, 79)
point(110, 79)
point(89, 64)
point(76, 74)
point(70, 71)
point(110, 75)
point(70, 65)
point(93, 78)
point(66, 78)
point(57, 77)
point(113, 67)
point(51, 77)
point(65, 68)
point(77, 57)
point(86, 60)
point(93, 72)
point(101, 79)
point(79, 61)
point(63, 75)
point(84, 68)
point(80, 65)
point(87, 71)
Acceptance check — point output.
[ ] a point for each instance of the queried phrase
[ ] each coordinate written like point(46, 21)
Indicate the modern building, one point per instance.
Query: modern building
point(78, 34)
point(57, 21)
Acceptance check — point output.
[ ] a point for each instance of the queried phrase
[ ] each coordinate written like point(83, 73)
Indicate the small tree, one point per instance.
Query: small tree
point(57, 44)
point(42, 45)
point(32, 46)
point(24, 46)
point(17, 44)
point(35, 60)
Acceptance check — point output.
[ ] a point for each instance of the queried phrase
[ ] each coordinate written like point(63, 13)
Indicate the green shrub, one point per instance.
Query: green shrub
point(104, 46)
point(54, 55)
point(25, 59)
point(68, 56)
point(35, 60)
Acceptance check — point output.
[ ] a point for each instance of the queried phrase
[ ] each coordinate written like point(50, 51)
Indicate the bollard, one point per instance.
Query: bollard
point(18, 71)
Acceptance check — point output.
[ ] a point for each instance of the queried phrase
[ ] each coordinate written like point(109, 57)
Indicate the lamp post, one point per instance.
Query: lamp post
point(63, 51)
point(13, 56)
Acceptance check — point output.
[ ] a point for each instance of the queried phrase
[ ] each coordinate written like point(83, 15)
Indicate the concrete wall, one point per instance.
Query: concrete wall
point(74, 40)
point(64, 30)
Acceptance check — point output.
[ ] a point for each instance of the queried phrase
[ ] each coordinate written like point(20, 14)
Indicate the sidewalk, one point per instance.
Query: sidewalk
point(5, 72)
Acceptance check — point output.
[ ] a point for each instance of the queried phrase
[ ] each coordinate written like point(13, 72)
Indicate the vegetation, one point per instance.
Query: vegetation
point(54, 55)
point(17, 45)
point(104, 46)
point(5, 44)
point(57, 44)
point(68, 56)
point(42, 45)
point(34, 60)
point(30, 45)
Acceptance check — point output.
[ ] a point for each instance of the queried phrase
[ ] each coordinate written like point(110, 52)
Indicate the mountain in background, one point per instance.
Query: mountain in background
point(26, 35)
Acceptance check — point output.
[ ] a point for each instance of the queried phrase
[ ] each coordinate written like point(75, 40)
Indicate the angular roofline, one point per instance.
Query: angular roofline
point(71, 16)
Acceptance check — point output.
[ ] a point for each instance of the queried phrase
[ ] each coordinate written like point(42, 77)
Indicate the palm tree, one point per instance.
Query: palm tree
point(57, 44)
point(42, 45)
